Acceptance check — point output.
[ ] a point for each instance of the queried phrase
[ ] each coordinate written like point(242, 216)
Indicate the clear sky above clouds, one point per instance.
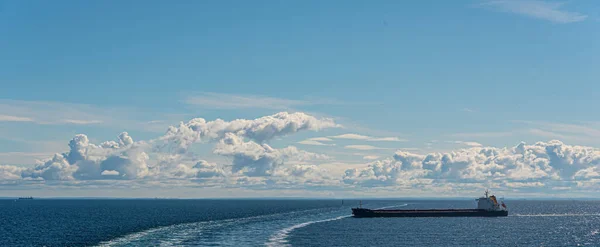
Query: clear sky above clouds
point(332, 98)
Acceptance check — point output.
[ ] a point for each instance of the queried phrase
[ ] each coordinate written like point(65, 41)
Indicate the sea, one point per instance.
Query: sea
point(288, 222)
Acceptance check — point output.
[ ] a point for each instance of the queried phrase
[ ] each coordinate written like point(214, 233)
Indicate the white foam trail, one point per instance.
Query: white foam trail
point(280, 237)
point(188, 227)
point(131, 238)
point(553, 215)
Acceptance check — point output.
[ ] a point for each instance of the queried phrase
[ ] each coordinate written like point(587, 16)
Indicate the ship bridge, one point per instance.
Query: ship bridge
point(489, 203)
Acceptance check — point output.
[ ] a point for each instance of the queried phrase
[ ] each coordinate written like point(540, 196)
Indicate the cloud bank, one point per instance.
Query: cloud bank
point(247, 160)
point(168, 157)
point(543, 164)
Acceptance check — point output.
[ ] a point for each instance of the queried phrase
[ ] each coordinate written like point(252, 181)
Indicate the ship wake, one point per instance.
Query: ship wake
point(192, 233)
point(280, 237)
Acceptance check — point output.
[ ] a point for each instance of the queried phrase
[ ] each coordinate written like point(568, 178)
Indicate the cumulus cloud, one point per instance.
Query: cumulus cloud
point(253, 159)
point(307, 175)
point(387, 172)
point(201, 170)
point(245, 158)
point(86, 161)
point(57, 168)
point(542, 161)
point(127, 159)
point(10, 172)
point(260, 130)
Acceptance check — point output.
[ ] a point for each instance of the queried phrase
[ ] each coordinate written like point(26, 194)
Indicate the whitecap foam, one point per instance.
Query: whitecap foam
point(280, 237)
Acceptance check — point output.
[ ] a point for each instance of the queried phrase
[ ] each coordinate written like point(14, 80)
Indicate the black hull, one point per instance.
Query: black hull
point(370, 213)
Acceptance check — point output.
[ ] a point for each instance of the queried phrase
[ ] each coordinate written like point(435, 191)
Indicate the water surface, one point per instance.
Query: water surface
point(48, 222)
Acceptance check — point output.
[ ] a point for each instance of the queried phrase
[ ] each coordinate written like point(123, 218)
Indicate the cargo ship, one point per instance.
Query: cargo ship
point(487, 206)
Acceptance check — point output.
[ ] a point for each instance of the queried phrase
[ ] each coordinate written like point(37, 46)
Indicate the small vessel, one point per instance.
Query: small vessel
point(487, 206)
point(26, 198)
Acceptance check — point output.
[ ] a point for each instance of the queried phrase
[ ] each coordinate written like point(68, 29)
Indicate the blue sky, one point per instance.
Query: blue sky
point(430, 76)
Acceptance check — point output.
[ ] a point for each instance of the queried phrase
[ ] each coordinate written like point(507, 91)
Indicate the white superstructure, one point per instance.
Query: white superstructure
point(490, 203)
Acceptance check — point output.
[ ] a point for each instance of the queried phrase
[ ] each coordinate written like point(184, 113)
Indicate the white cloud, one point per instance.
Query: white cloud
point(387, 139)
point(8, 172)
point(363, 147)
point(317, 141)
point(542, 162)
point(314, 143)
point(261, 129)
point(470, 144)
point(109, 173)
point(126, 159)
point(75, 121)
point(523, 185)
point(588, 173)
point(370, 157)
point(242, 158)
point(545, 10)
point(202, 170)
point(86, 161)
point(255, 159)
point(351, 136)
point(8, 118)
point(320, 139)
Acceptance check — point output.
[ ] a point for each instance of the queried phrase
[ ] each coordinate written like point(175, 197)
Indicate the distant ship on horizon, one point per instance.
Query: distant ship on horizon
point(26, 198)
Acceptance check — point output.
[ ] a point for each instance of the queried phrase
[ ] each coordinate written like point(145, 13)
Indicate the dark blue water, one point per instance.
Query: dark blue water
point(288, 223)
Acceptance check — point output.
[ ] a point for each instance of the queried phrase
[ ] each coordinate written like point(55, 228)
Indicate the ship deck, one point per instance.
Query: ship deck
point(461, 212)
point(423, 210)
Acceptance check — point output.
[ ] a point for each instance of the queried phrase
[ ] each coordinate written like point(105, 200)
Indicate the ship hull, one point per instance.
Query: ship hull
point(371, 213)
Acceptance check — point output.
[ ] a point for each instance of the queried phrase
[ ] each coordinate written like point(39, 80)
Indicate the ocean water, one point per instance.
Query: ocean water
point(54, 222)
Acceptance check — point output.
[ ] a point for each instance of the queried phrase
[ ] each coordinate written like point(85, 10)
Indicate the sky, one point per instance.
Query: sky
point(195, 99)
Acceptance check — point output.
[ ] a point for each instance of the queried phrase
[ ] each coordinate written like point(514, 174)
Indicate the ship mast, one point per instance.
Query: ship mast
point(486, 193)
